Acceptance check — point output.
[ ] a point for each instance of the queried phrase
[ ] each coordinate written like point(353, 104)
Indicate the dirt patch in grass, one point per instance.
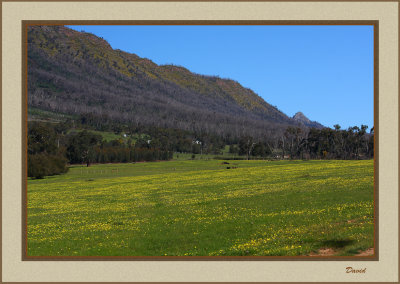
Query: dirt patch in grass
point(367, 252)
point(332, 247)
point(324, 252)
point(332, 252)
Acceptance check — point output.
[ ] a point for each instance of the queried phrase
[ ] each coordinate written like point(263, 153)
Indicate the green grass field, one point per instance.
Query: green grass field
point(202, 208)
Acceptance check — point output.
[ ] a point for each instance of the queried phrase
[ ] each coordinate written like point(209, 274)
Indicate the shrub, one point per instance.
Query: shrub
point(43, 164)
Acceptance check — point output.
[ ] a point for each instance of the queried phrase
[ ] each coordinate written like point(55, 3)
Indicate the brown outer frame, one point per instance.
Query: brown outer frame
point(25, 25)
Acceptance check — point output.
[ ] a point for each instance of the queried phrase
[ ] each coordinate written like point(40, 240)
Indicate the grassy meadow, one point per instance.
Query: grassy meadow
point(202, 208)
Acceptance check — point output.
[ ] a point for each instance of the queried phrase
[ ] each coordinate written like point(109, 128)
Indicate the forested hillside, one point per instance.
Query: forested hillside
point(78, 73)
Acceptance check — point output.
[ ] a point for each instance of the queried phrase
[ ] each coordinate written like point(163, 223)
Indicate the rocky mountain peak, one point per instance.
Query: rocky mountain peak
point(299, 116)
point(302, 119)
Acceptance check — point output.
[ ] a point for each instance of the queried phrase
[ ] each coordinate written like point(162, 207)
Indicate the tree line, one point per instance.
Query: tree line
point(51, 148)
point(299, 143)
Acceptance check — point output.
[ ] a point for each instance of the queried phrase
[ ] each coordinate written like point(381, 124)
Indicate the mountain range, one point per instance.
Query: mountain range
point(79, 73)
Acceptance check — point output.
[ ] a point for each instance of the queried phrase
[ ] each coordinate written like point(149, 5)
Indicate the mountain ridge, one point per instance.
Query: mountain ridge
point(75, 73)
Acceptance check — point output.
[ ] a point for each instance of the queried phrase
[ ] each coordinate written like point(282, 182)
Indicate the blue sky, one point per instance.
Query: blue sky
point(326, 72)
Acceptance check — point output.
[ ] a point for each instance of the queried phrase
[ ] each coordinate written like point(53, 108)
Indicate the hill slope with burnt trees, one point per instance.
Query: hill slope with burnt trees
point(78, 73)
